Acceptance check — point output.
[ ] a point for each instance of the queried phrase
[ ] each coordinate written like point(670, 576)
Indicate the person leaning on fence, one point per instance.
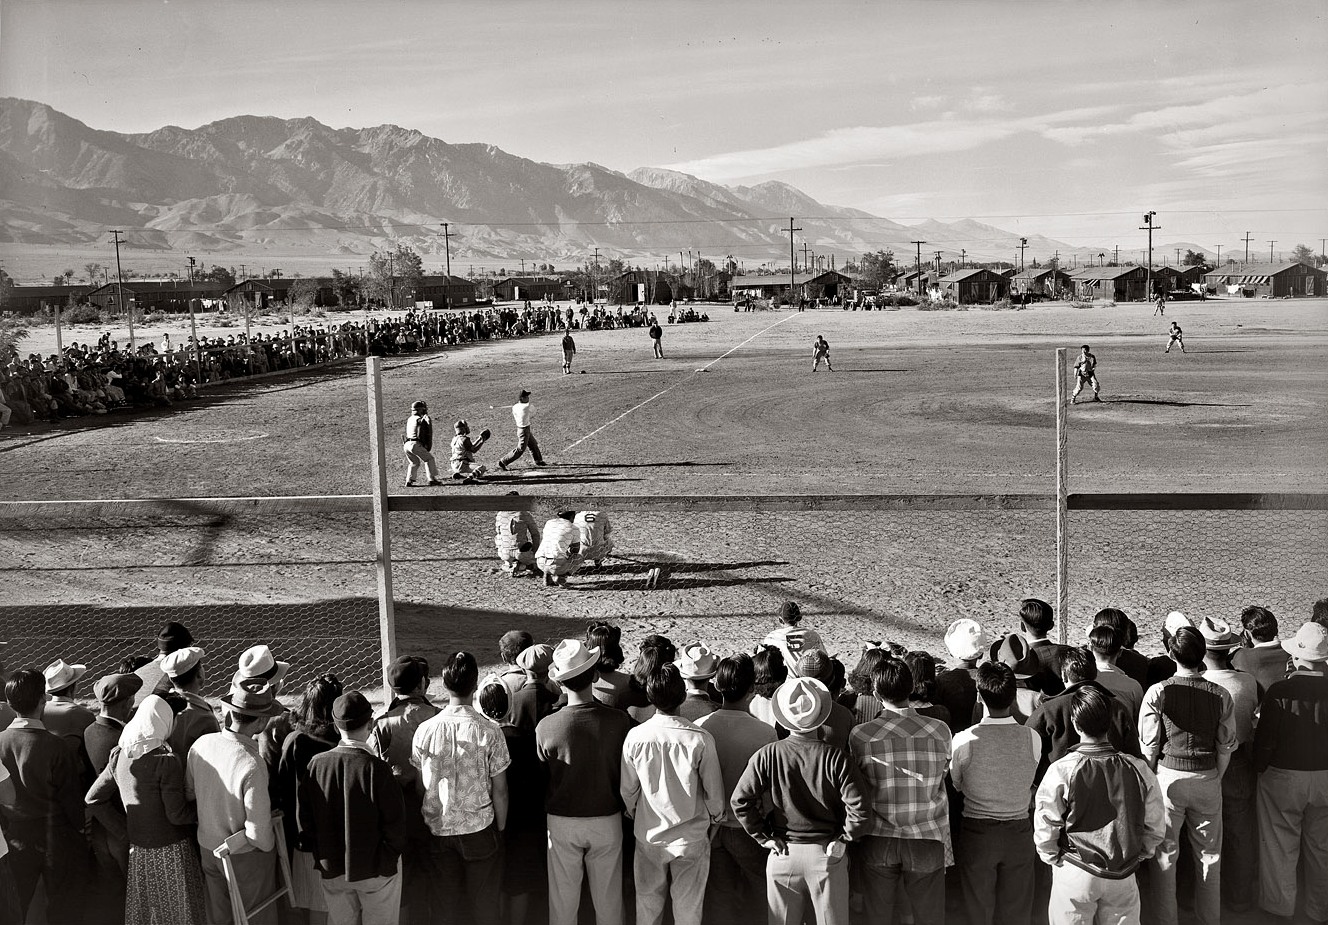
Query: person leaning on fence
point(903, 759)
point(352, 820)
point(736, 888)
point(42, 805)
point(1291, 758)
point(672, 787)
point(993, 764)
point(1187, 732)
point(418, 446)
point(462, 758)
point(228, 780)
point(147, 778)
point(1098, 816)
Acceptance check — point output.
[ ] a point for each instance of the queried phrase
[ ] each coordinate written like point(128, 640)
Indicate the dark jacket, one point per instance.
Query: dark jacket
point(48, 790)
point(99, 738)
point(1049, 655)
point(1051, 720)
point(352, 817)
point(1293, 725)
point(155, 811)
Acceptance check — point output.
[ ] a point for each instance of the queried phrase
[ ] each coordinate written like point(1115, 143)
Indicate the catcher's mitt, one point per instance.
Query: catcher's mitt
point(485, 434)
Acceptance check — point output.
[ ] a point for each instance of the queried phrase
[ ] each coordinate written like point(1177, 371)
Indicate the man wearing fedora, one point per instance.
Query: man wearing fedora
point(173, 636)
point(697, 665)
point(183, 668)
point(43, 804)
point(228, 779)
point(1291, 758)
point(903, 757)
point(65, 716)
point(804, 801)
point(1238, 835)
point(352, 819)
point(672, 787)
point(581, 748)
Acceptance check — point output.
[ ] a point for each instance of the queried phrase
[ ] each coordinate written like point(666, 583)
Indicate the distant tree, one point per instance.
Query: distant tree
point(93, 273)
point(876, 270)
point(1304, 254)
point(614, 267)
point(68, 276)
point(6, 288)
point(11, 332)
point(1193, 259)
point(394, 274)
point(347, 287)
point(302, 296)
point(220, 275)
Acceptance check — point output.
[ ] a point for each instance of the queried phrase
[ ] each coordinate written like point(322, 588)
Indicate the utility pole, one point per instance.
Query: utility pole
point(1247, 247)
point(193, 326)
point(805, 266)
point(1219, 255)
point(594, 277)
point(119, 287)
point(963, 258)
point(1148, 224)
point(243, 275)
point(1023, 246)
point(1271, 259)
point(918, 263)
point(523, 266)
point(1115, 255)
point(447, 247)
point(192, 262)
point(793, 261)
point(938, 265)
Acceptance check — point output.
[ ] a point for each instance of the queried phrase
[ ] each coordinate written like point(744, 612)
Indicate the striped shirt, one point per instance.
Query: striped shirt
point(903, 757)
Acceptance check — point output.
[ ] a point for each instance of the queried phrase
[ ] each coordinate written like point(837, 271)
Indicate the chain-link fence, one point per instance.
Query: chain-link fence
point(96, 590)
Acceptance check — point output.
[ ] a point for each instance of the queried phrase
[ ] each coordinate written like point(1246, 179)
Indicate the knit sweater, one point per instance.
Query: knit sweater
point(993, 764)
point(45, 772)
point(581, 746)
point(151, 789)
point(1186, 722)
point(816, 791)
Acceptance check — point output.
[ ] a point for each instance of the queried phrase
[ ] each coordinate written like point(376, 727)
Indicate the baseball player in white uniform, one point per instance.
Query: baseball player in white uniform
point(516, 535)
point(559, 552)
point(596, 538)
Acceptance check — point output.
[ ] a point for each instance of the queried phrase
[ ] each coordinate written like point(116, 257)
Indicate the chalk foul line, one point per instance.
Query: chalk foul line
point(637, 407)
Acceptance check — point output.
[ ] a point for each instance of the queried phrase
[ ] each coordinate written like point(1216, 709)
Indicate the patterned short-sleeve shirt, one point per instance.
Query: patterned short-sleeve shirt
point(458, 753)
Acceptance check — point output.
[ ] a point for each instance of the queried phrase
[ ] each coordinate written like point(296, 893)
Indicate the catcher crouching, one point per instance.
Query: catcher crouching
point(464, 449)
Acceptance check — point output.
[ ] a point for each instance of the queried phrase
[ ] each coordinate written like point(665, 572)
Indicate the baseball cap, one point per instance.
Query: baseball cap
point(406, 673)
point(351, 709)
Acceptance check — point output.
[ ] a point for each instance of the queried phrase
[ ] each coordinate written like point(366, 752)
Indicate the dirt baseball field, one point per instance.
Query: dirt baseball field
point(918, 402)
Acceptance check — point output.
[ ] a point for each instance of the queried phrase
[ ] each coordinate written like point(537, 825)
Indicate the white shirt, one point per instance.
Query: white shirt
point(556, 543)
point(522, 413)
point(671, 782)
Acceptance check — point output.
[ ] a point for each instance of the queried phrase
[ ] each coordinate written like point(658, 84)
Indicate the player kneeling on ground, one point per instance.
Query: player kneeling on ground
point(596, 542)
point(516, 535)
point(559, 552)
point(463, 454)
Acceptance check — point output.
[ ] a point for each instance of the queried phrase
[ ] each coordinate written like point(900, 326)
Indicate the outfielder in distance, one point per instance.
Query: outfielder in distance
point(821, 351)
point(1174, 337)
point(1085, 371)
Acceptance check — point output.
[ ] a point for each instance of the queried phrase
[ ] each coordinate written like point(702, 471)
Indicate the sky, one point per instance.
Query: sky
point(1069, 118)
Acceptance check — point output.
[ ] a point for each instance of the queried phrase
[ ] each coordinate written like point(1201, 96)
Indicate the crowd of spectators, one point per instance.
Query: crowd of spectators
point(1024, 781)
point(108, 376)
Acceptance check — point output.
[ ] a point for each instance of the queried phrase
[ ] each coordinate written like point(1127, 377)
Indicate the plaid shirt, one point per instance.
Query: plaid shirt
point(903, 757)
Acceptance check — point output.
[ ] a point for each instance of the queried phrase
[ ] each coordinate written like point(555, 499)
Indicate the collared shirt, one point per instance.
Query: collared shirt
point(671, 781)
point(24, 722)
point(1126, 689)
point(459, 752)
point(522, 414)
point(1244, 691)
point(903, 757)
point(351, 743)
point(228, 780)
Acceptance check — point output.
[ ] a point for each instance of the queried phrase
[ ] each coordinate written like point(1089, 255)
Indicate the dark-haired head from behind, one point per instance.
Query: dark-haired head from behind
point(1260, 623)
point(1090, 712)
point(656, 652)
point(461, 674)
point(1037, 616)
point(1114, 618)
point(893, 682)
point(1105, 641)
point(26, 691)
point(1078, 666)
point(735, 678)
point(860, 679)
point(315, 715)
point(1187, 647)
point(493, 701)
point(1319, 614)
point(770, 671)
point(996, 686)
point(666, 689)
point(923, 667)
point(512, 644)
point(608, 639)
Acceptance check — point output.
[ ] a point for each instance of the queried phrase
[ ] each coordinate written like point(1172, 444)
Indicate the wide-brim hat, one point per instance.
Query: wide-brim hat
point(176, 663)
point(1013, 649)
point(572, 657)
point(258, 662)
point(253, 697)
point(1174, 621)
point(1217, 635)
point(697, 662)
point(965, 639)
point(801, 704)
point(60, 674)
point(1310, 643)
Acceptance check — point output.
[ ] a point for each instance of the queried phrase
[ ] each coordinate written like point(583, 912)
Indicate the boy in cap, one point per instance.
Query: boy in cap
point(391, 739)
point(228, 780)
point(559, 552)
point(115, 693)
point(956, 688)
point(672, 787)
point(1099, 814)
point(523, 415)
point(352, 819)
point(534, 699)
point(418, 445)
point(1291, 758)
point(791, 638)
point(463, 453)
point(581, 748)
point(697, 665)
point(818, 802)
point(903, 758)
point(183, 668)
point(42, 804)
point(993, 764)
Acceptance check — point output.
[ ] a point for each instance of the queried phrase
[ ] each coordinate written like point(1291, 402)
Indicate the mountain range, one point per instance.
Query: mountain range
point(253, 181)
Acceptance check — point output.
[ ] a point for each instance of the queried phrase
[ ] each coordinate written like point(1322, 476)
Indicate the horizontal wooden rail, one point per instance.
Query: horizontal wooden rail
point(444, 502)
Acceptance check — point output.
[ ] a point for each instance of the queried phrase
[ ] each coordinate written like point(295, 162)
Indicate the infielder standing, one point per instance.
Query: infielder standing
point(1175, 338)
point(419, 445)
point(821, 351)
point(569, 352)
point(1085, 370)
point(657, 335)
point(525, 436)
